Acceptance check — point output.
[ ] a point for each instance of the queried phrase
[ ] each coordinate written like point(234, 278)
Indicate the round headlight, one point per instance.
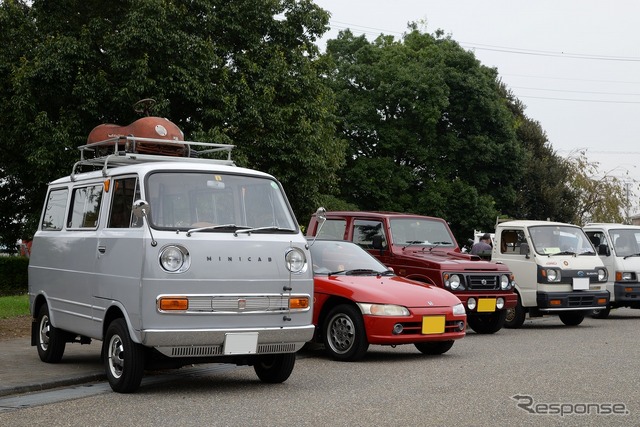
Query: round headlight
point(552, 275)
point(454, 282)
point(500, 303)
point(295, 260)
point(471, 303)
point(602, 275)
point(504, 282)
point(174, 259)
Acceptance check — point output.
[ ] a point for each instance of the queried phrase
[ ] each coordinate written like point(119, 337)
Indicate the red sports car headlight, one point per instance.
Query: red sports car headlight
point(383, 309)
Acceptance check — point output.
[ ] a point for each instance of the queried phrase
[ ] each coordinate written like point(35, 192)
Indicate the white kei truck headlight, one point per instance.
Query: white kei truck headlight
point(175, 259)
point(295, 260)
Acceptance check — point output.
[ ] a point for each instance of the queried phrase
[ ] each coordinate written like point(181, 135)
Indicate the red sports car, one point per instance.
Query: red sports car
point(358, 301)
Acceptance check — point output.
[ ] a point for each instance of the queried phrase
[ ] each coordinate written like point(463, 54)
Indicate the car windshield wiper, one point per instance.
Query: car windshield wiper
point(587, 253)
point(563, 253)
point(215, 227)
point(268, 228)
point(629, 256)
point(413, 242)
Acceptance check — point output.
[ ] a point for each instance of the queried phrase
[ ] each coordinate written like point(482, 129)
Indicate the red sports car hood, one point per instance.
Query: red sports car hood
point(385, 290)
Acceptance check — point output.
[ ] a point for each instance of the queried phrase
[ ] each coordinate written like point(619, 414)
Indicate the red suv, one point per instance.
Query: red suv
point(423, 249)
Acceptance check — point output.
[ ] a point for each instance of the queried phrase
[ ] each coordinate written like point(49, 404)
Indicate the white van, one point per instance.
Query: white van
point(556, 270)
point(170, 261)
point(618, 246)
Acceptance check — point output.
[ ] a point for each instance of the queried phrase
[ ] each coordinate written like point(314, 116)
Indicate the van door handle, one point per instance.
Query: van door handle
point(102, 249)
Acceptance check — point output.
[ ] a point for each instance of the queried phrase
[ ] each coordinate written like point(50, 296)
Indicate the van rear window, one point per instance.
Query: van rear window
point(54, 210)
point(85, 207)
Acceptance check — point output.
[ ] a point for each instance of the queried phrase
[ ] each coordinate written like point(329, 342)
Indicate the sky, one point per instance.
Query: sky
point(574, 64)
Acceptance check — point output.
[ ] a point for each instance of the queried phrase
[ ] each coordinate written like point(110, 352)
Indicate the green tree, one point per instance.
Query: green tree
point(428, 127)
point(242, 72)
point(601, 198)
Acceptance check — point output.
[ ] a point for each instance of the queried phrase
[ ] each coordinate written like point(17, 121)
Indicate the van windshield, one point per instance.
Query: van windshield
point(560, 240)
point(187, 200)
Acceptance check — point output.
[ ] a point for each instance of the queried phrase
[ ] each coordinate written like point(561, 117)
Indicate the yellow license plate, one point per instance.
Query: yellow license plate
point(432, 325)
point(487, 305)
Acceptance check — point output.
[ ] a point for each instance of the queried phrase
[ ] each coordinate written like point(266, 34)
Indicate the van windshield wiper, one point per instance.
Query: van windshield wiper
point(215, 227)
point(268, 228)
point(562, 253)
point(629, 256)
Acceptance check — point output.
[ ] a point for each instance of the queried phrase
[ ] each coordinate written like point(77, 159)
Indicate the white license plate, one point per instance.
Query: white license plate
point(580, 283)
point(244, 343)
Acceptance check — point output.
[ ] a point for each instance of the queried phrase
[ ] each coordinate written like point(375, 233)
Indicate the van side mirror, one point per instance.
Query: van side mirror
point(603, 249)
point(524, 249)
point(142, 209)
point(321, 218)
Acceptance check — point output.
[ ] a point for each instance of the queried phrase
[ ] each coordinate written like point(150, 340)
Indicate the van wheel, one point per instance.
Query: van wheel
point(51, 340)
point(344, 336)
point(275, 368)
point(602, 313)
point(434, 348)
point(487, 323)
point(515, 316)
point(572, 318)
point(123, 358)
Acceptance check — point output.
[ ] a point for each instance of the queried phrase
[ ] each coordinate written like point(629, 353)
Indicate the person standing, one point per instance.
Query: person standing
point(483, 245)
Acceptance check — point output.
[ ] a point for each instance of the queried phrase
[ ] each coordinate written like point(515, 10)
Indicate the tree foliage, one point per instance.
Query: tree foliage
point(428, 129)
point(600, 199)
point(241, 72)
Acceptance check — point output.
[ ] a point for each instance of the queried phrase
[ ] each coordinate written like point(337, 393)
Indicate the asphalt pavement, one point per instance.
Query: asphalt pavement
point(22, 371)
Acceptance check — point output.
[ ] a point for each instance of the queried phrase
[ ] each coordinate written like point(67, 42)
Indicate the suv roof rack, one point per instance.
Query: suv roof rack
point(126, 150)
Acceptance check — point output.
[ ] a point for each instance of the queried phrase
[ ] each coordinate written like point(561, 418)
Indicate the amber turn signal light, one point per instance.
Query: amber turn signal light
point(299, 303)
point(173, 303)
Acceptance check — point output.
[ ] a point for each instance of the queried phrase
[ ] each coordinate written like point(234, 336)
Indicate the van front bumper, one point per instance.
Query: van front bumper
point(576, 300)
point(626, 292)
point(210, 342)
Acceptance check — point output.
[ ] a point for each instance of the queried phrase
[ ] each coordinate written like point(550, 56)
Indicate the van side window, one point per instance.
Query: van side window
point(53, 217)
point(364, 232)
point(125, 191)
point(511, 240)
point(85, 207)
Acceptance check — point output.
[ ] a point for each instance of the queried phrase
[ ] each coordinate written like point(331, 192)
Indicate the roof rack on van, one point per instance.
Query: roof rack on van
point(128, 150)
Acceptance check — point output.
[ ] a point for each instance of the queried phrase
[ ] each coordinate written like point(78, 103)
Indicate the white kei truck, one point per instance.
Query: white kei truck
point(618, 246)
point(556, 270)
point(169, 261)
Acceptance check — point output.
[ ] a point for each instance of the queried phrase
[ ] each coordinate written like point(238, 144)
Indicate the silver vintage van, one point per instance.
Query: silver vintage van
point(169, 261)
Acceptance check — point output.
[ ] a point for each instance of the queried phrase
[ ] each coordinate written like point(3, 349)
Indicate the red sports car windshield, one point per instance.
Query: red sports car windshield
point(341, 257)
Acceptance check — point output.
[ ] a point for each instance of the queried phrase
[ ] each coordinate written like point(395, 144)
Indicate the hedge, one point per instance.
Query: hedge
point(13, 275)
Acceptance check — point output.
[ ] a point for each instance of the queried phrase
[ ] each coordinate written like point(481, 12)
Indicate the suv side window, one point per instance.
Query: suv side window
point(85, 207)
point(365, 230)
point(333, 229)
point(53, 217)
point(125, 192)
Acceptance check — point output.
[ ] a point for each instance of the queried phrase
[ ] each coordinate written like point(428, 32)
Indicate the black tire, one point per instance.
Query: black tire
point(602, 313)
point(275, 368)
point(515, 316)
point(123, 358)
point(344, 336)
point(434, 348)
point(51, 340)
point(572, 318)
point(487, 323)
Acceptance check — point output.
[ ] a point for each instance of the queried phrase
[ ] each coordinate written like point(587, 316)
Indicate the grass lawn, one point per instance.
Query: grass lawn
point(13, 306)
